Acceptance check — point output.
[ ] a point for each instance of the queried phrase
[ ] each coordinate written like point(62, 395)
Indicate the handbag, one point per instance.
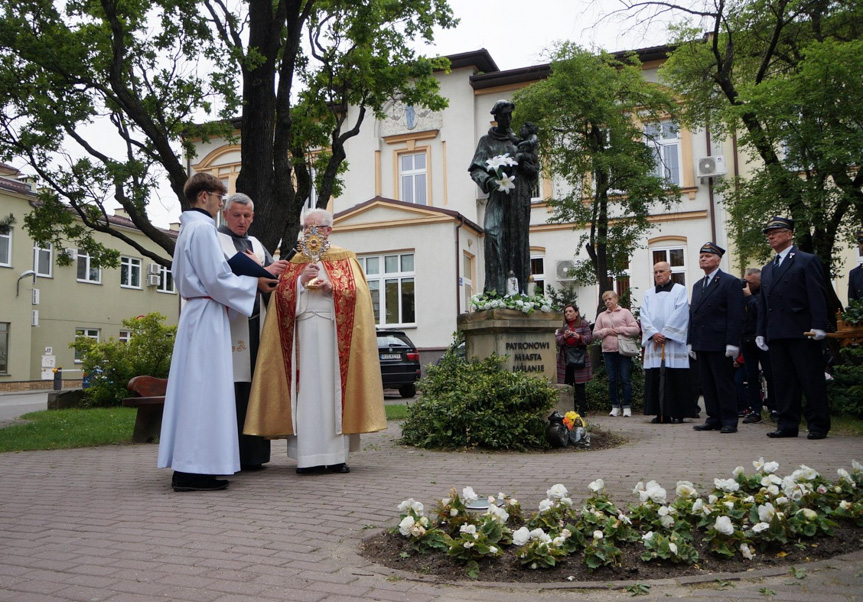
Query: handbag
point(627, 347)
point(575, 356)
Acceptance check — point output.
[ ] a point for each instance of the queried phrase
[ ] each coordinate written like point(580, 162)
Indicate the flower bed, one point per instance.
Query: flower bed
point(748, 520)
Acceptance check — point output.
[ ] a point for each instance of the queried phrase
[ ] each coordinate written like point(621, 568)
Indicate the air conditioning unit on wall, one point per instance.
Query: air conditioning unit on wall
point(562, 270)
point(154, 268)
point(153, 280)
point(710, 167)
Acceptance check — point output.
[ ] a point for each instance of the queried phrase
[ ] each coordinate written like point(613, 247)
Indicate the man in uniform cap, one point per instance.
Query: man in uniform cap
point(855, 278)
point(715, 324)
point(792, 320)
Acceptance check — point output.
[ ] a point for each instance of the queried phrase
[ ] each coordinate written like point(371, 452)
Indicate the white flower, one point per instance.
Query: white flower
point(845, 505)
point(411, 504)
point(822, 489)
point(759, 527)
point(638, 488)
point(766, 512)
point(672, 547)
point(723, 525)
point(417, 530)
point(468, 544)
point(566, 533)
point(653, 492)
point(405, 525)
point(597, 486)
point(771, 467)
point(540, 535)
point(512, 501)
point(711, 499)
point(770, 479)
point(545, 308)
point(556, 492)
point(624, 519)
point(597, 535)
point(729, 505)
point(424, 521)
point(545, 505)
point(453, 512)
point(686, 489)
point(469, 529)
point(806, 473)
point(499, 515)
point(558, 541)
point(566, 501)
point(696, 507)
point(773, 490)
point(506, 183)
point(647, 536)
point(809, 514)
point(856, 466)
point(749, 500)
point(666, 521)
point(469, 496)
point(844, 476)
point(492, 550)
point(663, 511)
point(781, 501)
point(521, 536)
point(738, 471)
point(501, 496)
point(746, 551)
point(758, 464)
point(729, 485)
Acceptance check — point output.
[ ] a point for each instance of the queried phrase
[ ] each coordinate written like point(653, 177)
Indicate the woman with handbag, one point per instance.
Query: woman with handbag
point(613, 322)
point(573, 361)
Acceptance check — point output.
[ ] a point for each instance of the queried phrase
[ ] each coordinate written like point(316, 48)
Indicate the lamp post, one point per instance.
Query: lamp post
point(21, 277)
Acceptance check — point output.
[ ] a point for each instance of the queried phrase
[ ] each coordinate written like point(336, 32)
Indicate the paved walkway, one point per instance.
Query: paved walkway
point(103, 523)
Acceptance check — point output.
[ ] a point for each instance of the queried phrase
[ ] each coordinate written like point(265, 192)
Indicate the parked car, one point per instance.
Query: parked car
point(400, 362)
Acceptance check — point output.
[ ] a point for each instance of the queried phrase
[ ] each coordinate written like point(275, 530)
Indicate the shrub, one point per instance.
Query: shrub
point(845, 391)
point(479, 404)
point(111, 364)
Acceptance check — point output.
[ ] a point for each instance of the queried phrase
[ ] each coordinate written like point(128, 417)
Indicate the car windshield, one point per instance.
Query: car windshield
point(390, 339)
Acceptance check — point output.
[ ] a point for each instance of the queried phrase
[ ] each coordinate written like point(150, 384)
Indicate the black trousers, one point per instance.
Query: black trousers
point(752, 358)
point(253, 450)
point(798, 369)
point(716, 374)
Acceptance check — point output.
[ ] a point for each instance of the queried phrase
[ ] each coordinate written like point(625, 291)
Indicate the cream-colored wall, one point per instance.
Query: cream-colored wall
point(66, 304)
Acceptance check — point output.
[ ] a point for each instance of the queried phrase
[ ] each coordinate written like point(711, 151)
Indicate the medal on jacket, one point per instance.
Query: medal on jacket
point(314, 244)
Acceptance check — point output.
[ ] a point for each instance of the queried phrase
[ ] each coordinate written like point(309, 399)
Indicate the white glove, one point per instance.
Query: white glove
point(759, 342)
point(732, 351)
point(819, 334)
point(690, 351)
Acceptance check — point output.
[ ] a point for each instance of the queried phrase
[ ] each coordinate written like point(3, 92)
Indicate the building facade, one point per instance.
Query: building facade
point(44, 306)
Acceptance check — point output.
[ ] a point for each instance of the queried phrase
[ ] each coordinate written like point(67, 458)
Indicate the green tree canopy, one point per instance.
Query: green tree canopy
point(784, 76)
point(170, 74)
point(594, 114)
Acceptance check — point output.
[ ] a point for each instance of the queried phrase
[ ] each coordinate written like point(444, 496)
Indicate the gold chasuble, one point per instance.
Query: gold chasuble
point(276, 372)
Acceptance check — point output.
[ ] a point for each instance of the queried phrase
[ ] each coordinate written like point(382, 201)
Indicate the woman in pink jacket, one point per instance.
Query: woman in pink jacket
point(613, 321)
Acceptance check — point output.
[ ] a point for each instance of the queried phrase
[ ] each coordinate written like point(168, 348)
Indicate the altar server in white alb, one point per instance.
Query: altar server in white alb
point(199, 424)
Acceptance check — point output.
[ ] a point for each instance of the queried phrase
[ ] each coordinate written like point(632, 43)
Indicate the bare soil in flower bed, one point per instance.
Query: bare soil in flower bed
point(395, 551)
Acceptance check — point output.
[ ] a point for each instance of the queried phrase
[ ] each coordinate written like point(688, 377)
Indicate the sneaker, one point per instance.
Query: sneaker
point(627, 413)
point(614, 412)
point(751, 418)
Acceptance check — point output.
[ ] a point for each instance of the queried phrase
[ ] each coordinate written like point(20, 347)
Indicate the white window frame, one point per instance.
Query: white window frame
point(6, 241)
point(676, 270)
point(378, 281)
point(412, 175)
point(468, 266)
point(88, 271)
point(664, 146)
point(166, 281)
point(125, 336)
point(5, 327)
point(37, 253)
point(539, 279)
point(130, 263)
point(90, 333)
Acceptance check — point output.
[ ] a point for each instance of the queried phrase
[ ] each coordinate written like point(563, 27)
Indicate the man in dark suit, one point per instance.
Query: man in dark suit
point(792, 320)
point(715, 323)
point(855, 278)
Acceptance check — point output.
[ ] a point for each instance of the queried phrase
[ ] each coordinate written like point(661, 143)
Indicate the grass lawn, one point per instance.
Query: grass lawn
point(66, 429)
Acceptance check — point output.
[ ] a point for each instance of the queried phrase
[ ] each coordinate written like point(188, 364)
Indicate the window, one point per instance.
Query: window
point(676, 258)
point(391, 281)
point(43, 260)
point(166, 280)
point(86, 271)
point(89, 333)
point(6, 248)
point(537, 272)
point(125, 336)
point(130, 272)
point(664, 139)
point(467, 281)
point(4, 347)
point(412, 174)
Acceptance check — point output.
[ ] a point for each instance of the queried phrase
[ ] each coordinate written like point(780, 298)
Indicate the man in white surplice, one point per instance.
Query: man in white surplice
point(664, 326)
point(199, 424)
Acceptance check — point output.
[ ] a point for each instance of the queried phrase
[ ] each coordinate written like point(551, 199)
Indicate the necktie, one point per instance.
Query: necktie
point(704, 284)
point(776, 261)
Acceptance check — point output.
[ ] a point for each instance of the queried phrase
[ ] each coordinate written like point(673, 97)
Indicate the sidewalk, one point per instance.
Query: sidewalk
point(103, 523)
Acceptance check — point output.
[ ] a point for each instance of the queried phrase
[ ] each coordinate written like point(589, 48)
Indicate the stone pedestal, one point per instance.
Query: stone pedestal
point(527, 341)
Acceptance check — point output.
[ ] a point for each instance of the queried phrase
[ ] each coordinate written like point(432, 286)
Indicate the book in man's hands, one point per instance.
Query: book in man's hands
point(243, 265)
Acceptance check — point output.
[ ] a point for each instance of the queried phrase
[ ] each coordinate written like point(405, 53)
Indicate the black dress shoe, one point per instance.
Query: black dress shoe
point(251, 467)
point(777, 434)
point(816, 435)
point(199, 483)
point(705, 427)
point(752, 418)
point(728, 429)
point(695, 415)
point(340, 468)
point(309, 469)
point(678, 420)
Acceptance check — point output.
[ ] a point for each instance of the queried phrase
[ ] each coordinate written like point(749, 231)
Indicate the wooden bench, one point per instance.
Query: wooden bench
point(149, 398)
